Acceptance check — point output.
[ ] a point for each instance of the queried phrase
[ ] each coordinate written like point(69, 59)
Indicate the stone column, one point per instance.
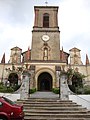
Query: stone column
point(58, 70)
point(64, 88)
point(32, 72)
point(36, 18)
point(55, 18)
point(57, 79)
point(24, 93)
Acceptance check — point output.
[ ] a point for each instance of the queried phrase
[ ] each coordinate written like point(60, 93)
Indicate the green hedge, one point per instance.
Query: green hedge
point(10, 89)
point(16, 87)
point(4, 89)
point(55, 90)
point(86, 89)
point(33, 90)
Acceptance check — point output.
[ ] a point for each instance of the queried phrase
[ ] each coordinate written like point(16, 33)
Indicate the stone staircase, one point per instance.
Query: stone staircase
point(53, 109)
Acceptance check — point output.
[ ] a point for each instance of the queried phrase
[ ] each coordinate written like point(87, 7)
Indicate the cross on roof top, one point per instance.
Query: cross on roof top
point(46, 2)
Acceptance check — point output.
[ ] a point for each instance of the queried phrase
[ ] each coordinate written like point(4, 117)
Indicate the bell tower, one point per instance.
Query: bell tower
point(45, 34)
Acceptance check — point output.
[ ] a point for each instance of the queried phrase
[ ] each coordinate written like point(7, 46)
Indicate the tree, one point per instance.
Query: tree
point(75, 79)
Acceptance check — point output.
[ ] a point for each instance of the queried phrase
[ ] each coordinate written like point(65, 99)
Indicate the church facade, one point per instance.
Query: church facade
point(45, 59)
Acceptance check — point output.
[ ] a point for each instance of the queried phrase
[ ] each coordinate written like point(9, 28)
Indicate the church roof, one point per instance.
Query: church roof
point(75, 49)
point(16, 48)
point(46, 7)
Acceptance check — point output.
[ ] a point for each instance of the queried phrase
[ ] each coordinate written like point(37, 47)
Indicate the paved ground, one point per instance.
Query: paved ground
point(44, 95)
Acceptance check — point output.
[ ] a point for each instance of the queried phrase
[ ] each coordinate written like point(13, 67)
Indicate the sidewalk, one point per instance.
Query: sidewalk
point(44, 95)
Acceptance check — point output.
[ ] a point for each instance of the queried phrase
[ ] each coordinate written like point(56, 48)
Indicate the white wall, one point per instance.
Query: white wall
point(12, 97)
point(83, 100)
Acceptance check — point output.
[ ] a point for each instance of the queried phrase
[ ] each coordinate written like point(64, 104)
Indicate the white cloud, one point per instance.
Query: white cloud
point(74, 24)
point(17, 19)
point(14, 36)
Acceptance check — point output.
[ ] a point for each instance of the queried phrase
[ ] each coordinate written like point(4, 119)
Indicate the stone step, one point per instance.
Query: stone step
point(53, 118)
point(62, 115)
point(44, 100)
point(48, 102)
point(43, 118)
point(50, 105)
point(53, 109)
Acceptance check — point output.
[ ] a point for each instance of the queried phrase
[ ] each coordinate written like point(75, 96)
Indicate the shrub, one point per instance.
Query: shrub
point(5, 89)
point(56, 90)
point(16, 87)
point(79, 90)
point(2, 88)
point(86, 89)
point(10, 90)
point(33, 90)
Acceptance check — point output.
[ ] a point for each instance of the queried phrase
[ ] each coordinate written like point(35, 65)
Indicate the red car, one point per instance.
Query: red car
point(9, 110)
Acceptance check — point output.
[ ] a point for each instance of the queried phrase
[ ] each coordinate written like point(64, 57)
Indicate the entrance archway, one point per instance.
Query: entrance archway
point(13, 79)
point(45, 82)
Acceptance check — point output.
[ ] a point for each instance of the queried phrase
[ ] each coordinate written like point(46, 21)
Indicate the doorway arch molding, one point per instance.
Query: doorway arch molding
point(42, 70)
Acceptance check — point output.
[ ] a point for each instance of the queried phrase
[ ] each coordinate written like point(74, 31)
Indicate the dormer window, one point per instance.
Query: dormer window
point(46, 20)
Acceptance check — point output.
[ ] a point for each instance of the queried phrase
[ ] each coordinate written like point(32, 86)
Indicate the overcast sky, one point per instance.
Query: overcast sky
point(17, 20)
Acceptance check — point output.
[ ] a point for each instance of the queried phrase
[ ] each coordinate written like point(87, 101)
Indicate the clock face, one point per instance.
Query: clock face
point(45, 38)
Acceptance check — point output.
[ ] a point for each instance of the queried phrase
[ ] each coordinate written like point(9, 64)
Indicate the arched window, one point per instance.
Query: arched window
point(46, 20)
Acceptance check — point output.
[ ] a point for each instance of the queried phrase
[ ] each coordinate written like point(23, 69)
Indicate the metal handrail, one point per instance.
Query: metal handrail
point(82, 98)
point(81, 101)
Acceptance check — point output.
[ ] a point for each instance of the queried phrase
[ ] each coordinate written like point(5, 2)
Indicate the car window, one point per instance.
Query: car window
point(8, 101)
point(1, 104)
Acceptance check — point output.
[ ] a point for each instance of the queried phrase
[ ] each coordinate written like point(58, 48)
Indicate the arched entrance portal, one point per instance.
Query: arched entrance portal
point(44, 82)
point(13, 79)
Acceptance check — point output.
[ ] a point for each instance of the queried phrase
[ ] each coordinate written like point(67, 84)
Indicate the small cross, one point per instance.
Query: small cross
point(46, 2)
